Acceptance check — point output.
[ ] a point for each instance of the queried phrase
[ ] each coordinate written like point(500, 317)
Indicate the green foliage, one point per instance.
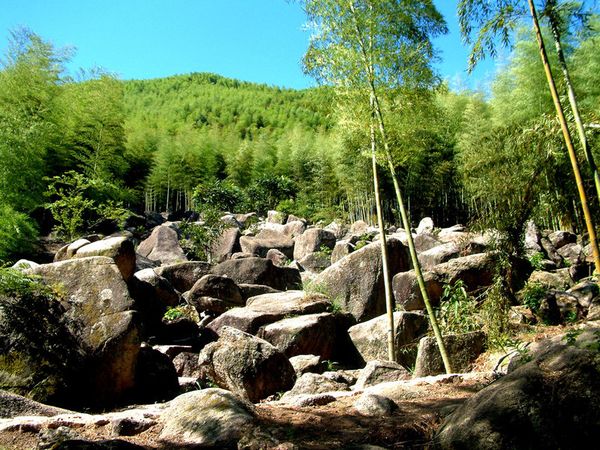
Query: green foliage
point(218, 195)
point(15, 283)
point(173, 313)
point(18, 233)
point(536, 260)
point(199, 237)
point(457, 311)
point(495, 312)
point(532, 295)
point(267, 192)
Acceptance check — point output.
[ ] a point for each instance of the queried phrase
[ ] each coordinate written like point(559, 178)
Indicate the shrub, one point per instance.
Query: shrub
point(457, 311)
point(532, 295)
point(17, 234)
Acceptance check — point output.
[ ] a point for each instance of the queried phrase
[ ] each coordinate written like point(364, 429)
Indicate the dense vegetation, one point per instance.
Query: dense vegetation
point(91, 146)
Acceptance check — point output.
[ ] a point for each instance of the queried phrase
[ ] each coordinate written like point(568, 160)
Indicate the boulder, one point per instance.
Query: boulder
point(338, 229)
point(24, 264)
point(163, 246)
point(315, 262)
point(359, 227)
point(462, 350)
point(425, 226)
point(357, 281)
point(424, 242)
point(553, 401)
point(314, 334)
point(559, 279)
point(407, 292)
point(438, 255)
point(120, 249)
point(186, 365)
point(311, 241)
point(294, 228)
point(226, 245)
point(261, 244)
point(374, 405)
point(252, 290)
point(269, 308)
point(210, 418)
point(13, 405)
point(532, 239)
point(376, 372)
point(259, 271)
point(182, 276)
point(152, 295)
point(341, 250)
point(156, 377)
point(246, 365)
point(98, 313)
point(216, 286)
point(313, 383)
point(276, 217)
point(561, 238)
point(370, 338)
point(572, 253)
point(306, 364)
point(74, 246)
point(278, 258)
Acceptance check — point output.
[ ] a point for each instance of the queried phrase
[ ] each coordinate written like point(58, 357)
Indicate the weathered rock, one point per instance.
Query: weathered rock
point(294, 228)
point(276, 217)
point(182, 276)
point(552, 401)
point(260, 246)
point(226, 245)
point(370, 338)
point(408, 294)
point(462, 350)
point(532, 238)
point(252, 290)
point(341, 250)
point(24, 264)
point(74, 246)
point(216, 286)
point(186, 365)
point(313, 383)
point(374, 405)
point(359, 227)
point(141, 263)
point(561, 238)
point(475, 271)
point(246, 365)
point(210, 418)
point(573, 253)
point(259, 271)
point(316, 262)
point(13, 405)
point(311, 241)
point(585, 292)
point(120, 249)
point(559, 279)
point(98, 313)
point(162, 245)
point(438, 255)
point(550, 250)
point(338, 229)
point(278, 258)
point(269, 308)
point(314, 334)
point(306, 364)
point(425, 226)
point(156, 378)
point(376, 372)
point(424, 242)
point(357, 280)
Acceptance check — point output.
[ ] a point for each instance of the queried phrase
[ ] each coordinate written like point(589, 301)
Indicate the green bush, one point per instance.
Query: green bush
point(18, 234)
point(457, 311)
point(532, 295)
point(219, 195)
point(199, 237)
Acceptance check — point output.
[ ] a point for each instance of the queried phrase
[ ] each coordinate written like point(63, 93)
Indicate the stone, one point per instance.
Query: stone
point(156, 378)
point(268, 308)
point(438, 255)
point(24, 264)
point(307, 334)
point(246, 365)
point(425, 226)
point(294, 228)
point(376, 372)
point(260, 245)
point(276, 217)
point(315, 262)
point(561, 238)
point(210, 418)
point(216, 286)
point(370, 338)
point(186, 365)
point(407, 293)
point(152, 296)
point(532, 238)
point(98, 311)
point(341, 250)
point(311, 241)
point(338, 229)
point(306, 364)
point(259, 271)
point(585, 292)
point(553, 401)
point(425, 241)
point(475, 271)
point(559, 279)
point(462, 350)
point(226, 245)
point(182, 276)
point(313, 383)
point(572, 253)
point(163, 246)
point(13, 405)
point(74, 246)
point(374, 405)
point(359, 227)
point(141, 263)
point(252, 290)
point(120, 249)
point(356, 281)
point(278, 258)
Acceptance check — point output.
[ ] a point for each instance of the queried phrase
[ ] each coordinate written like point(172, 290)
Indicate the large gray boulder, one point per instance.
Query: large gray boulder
point(268, 308)
point(216, 286)
point(407, 292)
point(226, 245)
point(259, 271)
point(246, 365)
point(356, 281)
point(98, 313)
point(183, 275)
point(370, 338)
point(311, 241)
point(313, 334)
point(163, 246)
point(266, 240)
point(553, 401)
point(120, 249)
point(462, 350)
point(377, 372)
point(211, 418)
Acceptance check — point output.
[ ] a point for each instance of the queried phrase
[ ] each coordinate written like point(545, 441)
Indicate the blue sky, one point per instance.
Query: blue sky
point(252, 40)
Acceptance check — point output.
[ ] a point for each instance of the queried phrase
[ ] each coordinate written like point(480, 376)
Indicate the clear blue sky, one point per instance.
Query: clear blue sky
point(252, 40)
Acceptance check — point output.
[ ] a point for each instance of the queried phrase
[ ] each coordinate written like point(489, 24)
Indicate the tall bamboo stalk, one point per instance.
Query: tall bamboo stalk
point(389, 304)
point(554, 26)
point(567, 137)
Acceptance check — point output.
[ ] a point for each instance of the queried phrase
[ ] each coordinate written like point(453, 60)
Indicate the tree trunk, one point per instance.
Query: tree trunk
point(567, 136)
point(573, 102)
point(389, 304)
